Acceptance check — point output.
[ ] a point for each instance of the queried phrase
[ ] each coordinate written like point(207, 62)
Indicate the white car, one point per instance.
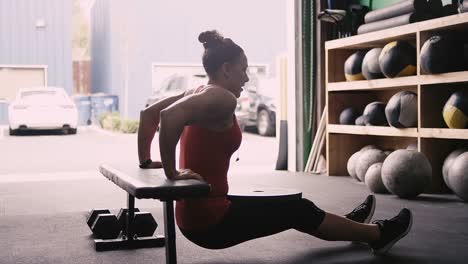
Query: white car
point(42, 108)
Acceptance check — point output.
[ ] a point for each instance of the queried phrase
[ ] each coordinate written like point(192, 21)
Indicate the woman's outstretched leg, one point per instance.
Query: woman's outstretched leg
point(339, 228)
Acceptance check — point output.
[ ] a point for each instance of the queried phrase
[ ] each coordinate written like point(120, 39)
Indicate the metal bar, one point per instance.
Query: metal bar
point(169, 232)
point(130, 216)
point(120, 243)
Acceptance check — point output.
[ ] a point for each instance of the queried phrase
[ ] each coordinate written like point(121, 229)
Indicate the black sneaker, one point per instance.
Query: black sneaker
point(392, 230)
point(364, 212)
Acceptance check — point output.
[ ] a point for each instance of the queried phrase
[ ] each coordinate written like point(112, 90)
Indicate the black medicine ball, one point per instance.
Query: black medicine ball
point(353, 65)
point(348, 116)
point(455, 111)
point(441, 53)
point(398, 58)
point(374, 114)
point(402, 110)
point(370, 64)
point(361, 121)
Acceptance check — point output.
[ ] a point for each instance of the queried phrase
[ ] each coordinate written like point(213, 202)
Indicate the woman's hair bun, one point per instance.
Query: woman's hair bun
point(210, 38)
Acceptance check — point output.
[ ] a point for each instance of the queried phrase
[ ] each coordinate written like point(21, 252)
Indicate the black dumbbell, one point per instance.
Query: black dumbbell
point(144, 223)
point(94, 214)
point(106, 226)
point(103, 224)
point(122, 217)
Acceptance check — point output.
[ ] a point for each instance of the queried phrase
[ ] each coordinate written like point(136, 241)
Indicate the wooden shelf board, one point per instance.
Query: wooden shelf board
point(384, 84)
point(374, 84)
point(372, 130)
point(400, 32)
point(450, 77)
point(449, 133)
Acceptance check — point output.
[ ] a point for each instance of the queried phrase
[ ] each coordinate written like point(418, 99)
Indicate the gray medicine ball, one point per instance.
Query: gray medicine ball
point(458, 176)
point(406, 173)
point(448, 163)
point(402, 110)
point(366, 147)
point(351, 165)
point(367, 158)
point(348, 116)
point(373, 178)
point(370, 65)
point(375, 114)
point(360, 121)
point(412, 146)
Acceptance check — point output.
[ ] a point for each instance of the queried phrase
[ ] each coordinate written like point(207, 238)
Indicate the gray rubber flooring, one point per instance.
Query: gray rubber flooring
point(44, 222)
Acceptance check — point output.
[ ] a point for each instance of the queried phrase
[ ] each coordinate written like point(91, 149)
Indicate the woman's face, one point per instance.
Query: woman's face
point(236, 75)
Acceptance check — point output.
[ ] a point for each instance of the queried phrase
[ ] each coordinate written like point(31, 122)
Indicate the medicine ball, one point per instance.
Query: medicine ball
point(406, 173)
point(366, 147)
point(353, 66)
point(402, 110)
point(360, 121)
point(366, 159)
point(373, 178)
point(348, 116)
point(448, 163)
point(370, 65)
point(351, 164)
point(398, 58)
point(412, 146)
point(458, 176)
point(374, 114)
point(441, 53)
point(455, 110)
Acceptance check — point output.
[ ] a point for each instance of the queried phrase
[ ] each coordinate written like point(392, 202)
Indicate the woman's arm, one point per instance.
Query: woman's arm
point(210, 106)
point(149, 121)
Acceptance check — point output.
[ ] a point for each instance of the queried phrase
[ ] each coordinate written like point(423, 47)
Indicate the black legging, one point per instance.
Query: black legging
point(245, 221)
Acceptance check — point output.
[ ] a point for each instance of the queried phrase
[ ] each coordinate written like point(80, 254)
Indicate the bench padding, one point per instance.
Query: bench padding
point(152, 183)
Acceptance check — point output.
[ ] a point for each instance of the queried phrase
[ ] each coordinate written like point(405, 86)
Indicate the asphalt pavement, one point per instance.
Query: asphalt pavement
point(50, 173)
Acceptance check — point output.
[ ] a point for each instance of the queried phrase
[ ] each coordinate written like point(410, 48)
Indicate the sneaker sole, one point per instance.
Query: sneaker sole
point(371, 214)
point(391, 243)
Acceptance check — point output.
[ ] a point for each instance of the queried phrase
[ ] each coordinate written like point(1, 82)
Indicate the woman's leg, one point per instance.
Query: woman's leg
point(338, 228)
point(245, 221)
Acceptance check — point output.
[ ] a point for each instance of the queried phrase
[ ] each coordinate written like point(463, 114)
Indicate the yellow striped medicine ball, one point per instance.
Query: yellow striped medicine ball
point(353, 65)
point(398, 58)
point(455, 111)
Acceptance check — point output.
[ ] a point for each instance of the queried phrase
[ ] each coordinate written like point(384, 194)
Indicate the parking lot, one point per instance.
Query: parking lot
point(66, 166)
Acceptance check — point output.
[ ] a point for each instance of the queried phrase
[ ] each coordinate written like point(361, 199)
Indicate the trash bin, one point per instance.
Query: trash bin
point(3, 112)
point(83, 105)
point(103, 103)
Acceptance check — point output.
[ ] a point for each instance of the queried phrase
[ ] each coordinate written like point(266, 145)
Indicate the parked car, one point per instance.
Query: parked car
point(176, 84)
point(42, 108)
point(256, 106)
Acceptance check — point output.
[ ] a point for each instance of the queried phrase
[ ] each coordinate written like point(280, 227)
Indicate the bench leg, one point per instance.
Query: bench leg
point(169, 232)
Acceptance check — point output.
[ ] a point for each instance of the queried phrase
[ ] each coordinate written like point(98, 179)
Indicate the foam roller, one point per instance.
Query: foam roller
point(395, 10)
point(391, 22)
point(464, 7)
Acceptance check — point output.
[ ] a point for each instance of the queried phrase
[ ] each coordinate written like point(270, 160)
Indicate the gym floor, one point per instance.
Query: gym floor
point(44, 222)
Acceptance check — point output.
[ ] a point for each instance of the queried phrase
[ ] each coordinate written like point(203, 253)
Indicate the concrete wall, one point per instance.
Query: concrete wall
point(128, 36)
point(23, 42)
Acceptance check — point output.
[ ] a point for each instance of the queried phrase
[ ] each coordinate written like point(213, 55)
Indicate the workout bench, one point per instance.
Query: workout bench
point(149, 184)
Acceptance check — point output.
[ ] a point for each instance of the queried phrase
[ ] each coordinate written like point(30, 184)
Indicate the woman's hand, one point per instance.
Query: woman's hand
point(185, 174)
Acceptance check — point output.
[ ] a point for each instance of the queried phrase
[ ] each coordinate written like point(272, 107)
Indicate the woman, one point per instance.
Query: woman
point(204, 121)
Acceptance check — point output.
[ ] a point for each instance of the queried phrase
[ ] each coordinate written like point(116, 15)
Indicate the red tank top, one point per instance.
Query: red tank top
point(207, 153)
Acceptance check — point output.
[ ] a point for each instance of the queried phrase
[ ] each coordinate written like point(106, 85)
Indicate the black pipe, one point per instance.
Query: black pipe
point(282, 161)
